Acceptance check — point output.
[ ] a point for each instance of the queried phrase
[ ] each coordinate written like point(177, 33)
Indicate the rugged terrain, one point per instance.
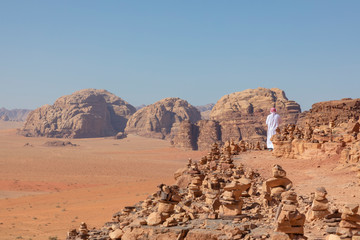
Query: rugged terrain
point(239, 116)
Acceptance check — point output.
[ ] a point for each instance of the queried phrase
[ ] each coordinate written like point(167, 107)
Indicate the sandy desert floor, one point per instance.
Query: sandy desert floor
point(44, 191)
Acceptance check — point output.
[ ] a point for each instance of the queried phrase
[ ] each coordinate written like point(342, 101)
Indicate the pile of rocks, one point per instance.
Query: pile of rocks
point(349, 226)
point(319, 207)
point(288, 219)
point(214, 198)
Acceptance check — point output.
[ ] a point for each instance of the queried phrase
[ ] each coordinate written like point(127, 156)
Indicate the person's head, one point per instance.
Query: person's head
point(273, 110)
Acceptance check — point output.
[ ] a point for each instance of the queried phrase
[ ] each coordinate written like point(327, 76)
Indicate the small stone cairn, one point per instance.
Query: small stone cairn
point(320, 205)
point(288, 219)
point(273, 187)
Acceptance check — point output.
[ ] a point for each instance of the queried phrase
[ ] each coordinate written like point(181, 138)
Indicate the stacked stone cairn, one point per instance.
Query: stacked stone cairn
point(275, 186)
point(81, 234)
point(218, 200)
point(288, 219)
point(320, 205)
point(349, 226)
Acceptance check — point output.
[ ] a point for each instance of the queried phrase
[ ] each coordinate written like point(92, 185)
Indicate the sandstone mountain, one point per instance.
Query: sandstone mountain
point(14, 114)
point(85, 113)
point(252, 102)
point(241, 116)
point(162, 119)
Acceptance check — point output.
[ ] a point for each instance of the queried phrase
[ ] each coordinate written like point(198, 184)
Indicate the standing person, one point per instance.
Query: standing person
point(273, 121)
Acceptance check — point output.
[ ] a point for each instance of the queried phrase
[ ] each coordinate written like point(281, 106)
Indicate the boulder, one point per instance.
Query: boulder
point(83, 114)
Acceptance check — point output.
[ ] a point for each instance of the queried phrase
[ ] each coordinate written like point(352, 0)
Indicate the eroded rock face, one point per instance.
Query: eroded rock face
point(252, 102)
point(198, 136)
point(338, 111)
point(162, 119)
point(83, 114)
point(242, 115)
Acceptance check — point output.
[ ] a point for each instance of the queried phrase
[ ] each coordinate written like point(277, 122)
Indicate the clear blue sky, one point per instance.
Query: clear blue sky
point(144, 51)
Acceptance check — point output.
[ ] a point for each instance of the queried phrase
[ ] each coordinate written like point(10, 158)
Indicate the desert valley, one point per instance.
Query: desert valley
point(170, 171)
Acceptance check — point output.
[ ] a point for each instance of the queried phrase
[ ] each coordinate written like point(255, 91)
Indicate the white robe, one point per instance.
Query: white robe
point(273, 120)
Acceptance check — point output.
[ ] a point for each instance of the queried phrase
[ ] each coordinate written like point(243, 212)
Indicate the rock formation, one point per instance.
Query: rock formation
point(288, 219)
point(293, 141)
point(83, 114)
point(349, 226)
point(240, 116)
point(319, 207)
point(162, 119)
point(275, 186)
point(337, 111)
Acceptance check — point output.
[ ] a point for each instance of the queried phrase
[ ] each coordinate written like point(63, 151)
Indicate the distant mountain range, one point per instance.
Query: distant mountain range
point(205, 110)
point(14, 114)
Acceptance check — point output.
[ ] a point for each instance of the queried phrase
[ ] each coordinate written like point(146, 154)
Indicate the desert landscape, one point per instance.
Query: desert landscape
point(93, 159)
point(179, 120)
point(45, 190)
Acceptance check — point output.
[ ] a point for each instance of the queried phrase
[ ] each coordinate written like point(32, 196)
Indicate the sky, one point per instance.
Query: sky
point(144, 51)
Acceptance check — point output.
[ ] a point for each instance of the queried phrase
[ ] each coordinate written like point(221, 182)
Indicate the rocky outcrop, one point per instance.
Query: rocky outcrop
point(242, 115)
point(328, 129)
point(337, 111)
point(197, 136)
point(14, 114)
point(83, 114)
point(162, 119)
point(252, 102)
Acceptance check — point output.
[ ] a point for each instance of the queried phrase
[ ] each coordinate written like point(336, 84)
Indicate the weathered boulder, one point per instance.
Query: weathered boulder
point(162, 119)
point(83, 114)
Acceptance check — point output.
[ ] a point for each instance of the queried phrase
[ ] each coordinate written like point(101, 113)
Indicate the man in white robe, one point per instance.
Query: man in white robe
point(273, 121)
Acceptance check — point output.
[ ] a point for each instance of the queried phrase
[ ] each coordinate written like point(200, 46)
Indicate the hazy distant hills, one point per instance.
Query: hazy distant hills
point(14, 114)
point(205, 110)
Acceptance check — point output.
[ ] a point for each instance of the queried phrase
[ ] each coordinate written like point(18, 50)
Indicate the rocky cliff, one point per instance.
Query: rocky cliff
point(85, 113)
point(162, 119)
point(242, 115)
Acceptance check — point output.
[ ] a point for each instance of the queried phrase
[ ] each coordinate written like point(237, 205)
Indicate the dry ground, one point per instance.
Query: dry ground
point(44, 191)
